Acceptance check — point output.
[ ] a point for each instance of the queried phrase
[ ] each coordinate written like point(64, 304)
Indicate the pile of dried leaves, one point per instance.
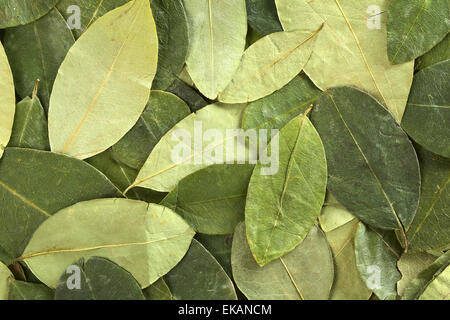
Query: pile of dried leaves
point(224, 149)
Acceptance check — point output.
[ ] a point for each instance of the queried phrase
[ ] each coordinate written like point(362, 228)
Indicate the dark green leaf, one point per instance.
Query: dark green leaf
point(173, 41)
point(199, 277)
point(262, 16)
point(438, 54)
point(20, 290)
point(427, 115)
point(373, 169)
point(97, 279)
point(17, 12)
point(188, 95)
point(30, 125)
point(36, 184)
point(220, 247)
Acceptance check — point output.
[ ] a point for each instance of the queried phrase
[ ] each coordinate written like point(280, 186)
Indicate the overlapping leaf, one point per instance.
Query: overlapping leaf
point(113, 65)
point(372, 166)
point(305, 273)
point(17, 12)
point(147, 240)
point(7, 100)
point(351, 49)
point(284, 201)
point(217, 31)
point(36, 51)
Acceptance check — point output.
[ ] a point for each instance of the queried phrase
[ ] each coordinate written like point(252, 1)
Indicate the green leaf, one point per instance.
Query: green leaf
point(36, 184)
point(217, 31)
point(122, 176)
point(417, 286)
point(351, 50)
point(163, 111)
point(333, 214)
point(414, 27)
point(376, 260)
point(147, 240)
point(268, 65)
point(16, 12)
point(220, 247)
point(36, 51)
point(179, 152)
point(283, 206)
point(171, 24)
point(439, 53)
point(30, 126)
point(158, 291)
point(99, 279)
point(112, 66)
point(7, 100)
point(348, 284)
point(200, 277)
point(372, 166)
point(262, 16)
point(427, 116)
point(439, 288)
point(306, 273)
point(430, 228)
point(188, 95)
point(88, 12)
point(5, 275)
point(268, 113)
point(20, 290)
point(218, 203)
point(410, 265)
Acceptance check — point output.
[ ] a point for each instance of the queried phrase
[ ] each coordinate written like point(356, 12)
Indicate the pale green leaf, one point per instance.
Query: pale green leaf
point(180, 152)
point(348, 284)
point(414, 27)
point(306, 273)
point(5, 275)
point(147, 240)
point(351, 49)
point(200, 277)
point(333, 214)
point(269, 64)
point(439, 288)
point(284, 203)
point(7, 100)
point(217, 31)
point(104, 82)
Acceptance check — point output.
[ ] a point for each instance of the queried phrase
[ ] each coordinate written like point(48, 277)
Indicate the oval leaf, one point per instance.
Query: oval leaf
point(430, 228)
point(373, 168)
point(427, 116)
point(36, 51)
point(214, 25)
point(36, 184)
point(181, 151)
point(282, 206)
point(208, 282)
point(5, 275)
point(124, 43)
point(414, 27)
point(145, 239)
point(351, 49)
point(306, 273)
point(30, 126)
point(16, 12)
point(268, 65)
point(99, 279)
